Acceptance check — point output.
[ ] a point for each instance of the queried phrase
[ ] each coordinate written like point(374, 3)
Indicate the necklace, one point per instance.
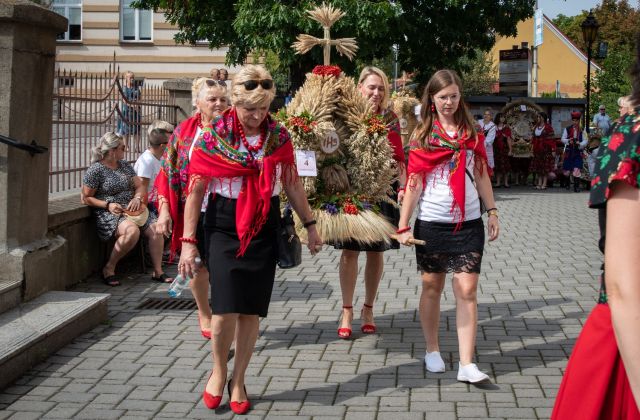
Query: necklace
point(199, 121)
point(250, 148)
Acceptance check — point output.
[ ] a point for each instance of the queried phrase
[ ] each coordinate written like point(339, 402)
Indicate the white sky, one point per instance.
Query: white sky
point(553, 8)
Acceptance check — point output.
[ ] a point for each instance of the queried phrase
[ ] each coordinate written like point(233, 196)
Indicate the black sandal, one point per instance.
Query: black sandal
point(162, 278)
point(111, 280)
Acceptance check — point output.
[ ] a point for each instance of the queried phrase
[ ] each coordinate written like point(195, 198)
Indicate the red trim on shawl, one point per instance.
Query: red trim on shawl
point(182, 138)
point(423, 161)
point(258, 181)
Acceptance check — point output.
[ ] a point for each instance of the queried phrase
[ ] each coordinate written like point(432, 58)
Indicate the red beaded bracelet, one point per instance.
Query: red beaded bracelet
point(189, 240)
point(403, 230)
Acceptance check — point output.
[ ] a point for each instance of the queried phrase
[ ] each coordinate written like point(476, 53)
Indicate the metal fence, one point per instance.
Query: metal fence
point(85, 106)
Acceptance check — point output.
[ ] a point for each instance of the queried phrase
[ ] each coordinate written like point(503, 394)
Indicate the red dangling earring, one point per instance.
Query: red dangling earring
point(433, 108)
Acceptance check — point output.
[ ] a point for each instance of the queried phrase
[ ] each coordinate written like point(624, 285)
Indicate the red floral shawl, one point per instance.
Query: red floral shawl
point(440, 149)
point(172, 180)
point(216, 156)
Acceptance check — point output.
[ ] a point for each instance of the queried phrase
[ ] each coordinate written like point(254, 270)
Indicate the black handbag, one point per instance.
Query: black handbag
point(289, 246)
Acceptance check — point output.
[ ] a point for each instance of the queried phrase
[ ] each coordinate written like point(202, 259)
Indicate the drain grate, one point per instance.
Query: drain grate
point(168, 303)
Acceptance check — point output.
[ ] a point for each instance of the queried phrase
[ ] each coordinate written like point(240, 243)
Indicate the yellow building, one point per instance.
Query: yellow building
point(141, 40)
point(560, 61)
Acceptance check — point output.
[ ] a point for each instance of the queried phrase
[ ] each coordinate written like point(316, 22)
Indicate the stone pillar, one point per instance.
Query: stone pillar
point(180, 93)
point(27, 57)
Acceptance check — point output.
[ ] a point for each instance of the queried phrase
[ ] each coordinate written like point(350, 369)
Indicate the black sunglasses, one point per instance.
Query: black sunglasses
point(212, 83)
point(253, 84)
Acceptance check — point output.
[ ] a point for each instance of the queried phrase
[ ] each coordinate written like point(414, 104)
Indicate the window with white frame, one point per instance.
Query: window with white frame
point(135, 24)
point(72, 10)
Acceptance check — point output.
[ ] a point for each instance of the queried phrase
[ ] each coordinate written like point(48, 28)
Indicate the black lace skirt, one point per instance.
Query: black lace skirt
point(447, 251)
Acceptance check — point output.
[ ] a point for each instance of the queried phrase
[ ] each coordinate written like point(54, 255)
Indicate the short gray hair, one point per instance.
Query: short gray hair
point(159, 132)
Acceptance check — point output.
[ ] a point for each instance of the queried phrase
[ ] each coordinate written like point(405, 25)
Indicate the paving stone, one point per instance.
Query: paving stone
point(533, 300)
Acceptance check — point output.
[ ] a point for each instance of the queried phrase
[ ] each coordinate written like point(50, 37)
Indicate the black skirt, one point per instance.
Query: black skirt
point(240, 284)
point(392, 214)
point(447, 251)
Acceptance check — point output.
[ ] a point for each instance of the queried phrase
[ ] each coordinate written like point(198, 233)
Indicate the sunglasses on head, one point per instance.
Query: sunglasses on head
point(212, 83)
point(253, 84)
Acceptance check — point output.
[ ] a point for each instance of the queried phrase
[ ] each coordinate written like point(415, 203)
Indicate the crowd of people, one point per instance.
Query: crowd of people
point(213, 186)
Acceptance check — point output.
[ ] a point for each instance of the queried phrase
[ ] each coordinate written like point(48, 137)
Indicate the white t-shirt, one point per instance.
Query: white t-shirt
point(436, 199)
point(230, 187)
point(490, 135)
point(148, 166)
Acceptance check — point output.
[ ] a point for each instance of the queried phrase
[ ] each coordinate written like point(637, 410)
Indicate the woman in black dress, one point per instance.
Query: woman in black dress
point(246, 158)
point(374, 86)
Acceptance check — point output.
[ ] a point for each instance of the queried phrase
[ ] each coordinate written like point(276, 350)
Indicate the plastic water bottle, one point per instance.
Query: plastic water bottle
point(180, 283)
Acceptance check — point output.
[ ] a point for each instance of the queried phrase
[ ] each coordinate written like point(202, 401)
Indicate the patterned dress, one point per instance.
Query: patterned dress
point(116, 186)
point(501, 150)
point(544, 146)
point(595, 359)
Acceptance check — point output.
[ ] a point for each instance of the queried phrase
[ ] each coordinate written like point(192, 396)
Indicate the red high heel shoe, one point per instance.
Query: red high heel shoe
point(238, 407)
point(211, 401)
point(367, 328)
point(205, 334)
point(345, 333)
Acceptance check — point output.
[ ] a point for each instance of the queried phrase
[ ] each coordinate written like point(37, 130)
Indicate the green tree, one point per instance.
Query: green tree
point(612, 81)
point(431, 34)
point(441, 33)
point(618, 25)
point(478, 74)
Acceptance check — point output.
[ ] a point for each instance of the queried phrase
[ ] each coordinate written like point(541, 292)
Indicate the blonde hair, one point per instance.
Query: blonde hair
point(440, 80)
point(258, 96)
point(372, 70)
point(108, 141)
point(159, 132)
point(199, 88)
point(624, 101)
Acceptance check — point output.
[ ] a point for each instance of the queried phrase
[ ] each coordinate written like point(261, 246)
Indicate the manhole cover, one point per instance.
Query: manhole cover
point(168, 303)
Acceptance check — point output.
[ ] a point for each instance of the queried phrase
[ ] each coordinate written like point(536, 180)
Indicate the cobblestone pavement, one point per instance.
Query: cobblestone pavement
point(537, 286)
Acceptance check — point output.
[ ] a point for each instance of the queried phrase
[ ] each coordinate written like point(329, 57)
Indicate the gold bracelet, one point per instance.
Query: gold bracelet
point(493, 213)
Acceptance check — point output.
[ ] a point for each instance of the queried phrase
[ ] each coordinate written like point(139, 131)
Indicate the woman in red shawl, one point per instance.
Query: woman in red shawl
point(502, 147)
point(374, 86)
point(243, 160)
point(210, 99)
point(448, 175)
point(544, 148)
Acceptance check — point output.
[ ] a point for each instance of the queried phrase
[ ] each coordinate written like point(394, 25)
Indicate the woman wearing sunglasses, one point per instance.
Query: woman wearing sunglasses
point(374, 86)
point(210, 99)
point(244, 159)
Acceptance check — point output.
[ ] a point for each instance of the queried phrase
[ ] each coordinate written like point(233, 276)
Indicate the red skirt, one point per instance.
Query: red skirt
point(595, 384)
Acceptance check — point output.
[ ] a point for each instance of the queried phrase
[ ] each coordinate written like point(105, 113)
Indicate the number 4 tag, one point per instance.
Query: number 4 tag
point(306, 162)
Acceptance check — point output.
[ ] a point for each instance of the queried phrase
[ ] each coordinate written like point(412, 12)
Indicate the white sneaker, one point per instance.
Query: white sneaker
point(433, 361)
point(471, 373)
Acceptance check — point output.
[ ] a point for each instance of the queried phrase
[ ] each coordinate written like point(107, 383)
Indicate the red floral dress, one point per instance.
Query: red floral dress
point(501, 150)
point(595, 384)
point(544, 145)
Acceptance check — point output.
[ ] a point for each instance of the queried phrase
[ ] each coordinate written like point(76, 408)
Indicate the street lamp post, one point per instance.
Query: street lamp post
point(589, 34)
